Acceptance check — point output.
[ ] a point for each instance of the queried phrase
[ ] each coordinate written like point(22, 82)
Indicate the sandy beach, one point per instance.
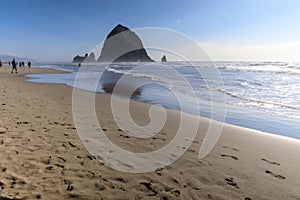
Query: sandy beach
point(42, 156)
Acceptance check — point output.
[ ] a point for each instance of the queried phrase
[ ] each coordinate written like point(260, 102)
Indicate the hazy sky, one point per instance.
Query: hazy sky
point(227, 29)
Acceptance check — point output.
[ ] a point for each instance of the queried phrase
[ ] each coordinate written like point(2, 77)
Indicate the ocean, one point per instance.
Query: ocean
point(264, 96)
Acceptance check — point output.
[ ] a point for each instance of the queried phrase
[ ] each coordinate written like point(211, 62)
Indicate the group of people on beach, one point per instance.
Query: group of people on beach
point(14, 64)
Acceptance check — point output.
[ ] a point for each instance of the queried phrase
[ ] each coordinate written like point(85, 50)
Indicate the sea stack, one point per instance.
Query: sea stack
point(123, 45)
point(164, 59)
point(85, 58)
point(79, 59)
point(90, 58)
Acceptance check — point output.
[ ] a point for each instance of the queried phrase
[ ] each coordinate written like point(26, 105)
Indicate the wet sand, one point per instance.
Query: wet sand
point(42, 156)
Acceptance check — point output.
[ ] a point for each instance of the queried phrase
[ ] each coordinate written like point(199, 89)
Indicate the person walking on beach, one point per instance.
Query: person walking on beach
point(0, 63)
point(29, 64)
point(14, 66)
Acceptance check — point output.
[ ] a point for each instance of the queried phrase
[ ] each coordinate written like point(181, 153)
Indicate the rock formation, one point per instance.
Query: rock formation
point(164, 59)
point(85, 58)
point(123, 45)
point(79, 59)
point(90, 58)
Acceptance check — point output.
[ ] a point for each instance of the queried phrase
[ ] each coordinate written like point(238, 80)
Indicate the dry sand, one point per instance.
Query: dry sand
point(42, 156)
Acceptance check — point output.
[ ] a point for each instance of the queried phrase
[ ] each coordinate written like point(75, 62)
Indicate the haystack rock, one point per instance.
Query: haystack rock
point(123, 45)
point(164, 59)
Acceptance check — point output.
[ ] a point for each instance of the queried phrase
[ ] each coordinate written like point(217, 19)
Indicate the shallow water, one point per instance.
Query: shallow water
point(259, 95)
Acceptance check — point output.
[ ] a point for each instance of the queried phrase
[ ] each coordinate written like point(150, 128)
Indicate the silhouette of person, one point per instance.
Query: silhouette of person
point(14, 66)
point(29, 64)
point(8, 63)
point(0, 63)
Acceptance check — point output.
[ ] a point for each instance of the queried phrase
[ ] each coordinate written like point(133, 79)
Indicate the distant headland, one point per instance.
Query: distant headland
point(6, 58)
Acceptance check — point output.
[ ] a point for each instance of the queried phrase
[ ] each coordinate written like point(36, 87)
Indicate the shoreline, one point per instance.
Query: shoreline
point(44, 157)
point(231, 117)
point(250, 129)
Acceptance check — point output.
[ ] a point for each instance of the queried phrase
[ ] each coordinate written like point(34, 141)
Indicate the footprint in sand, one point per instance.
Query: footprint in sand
point(229, 156)
point(270, 162)
point(70, 188)
point(124, 136)
point(158, 138)
point(2, 185)
point(232, 148)
point(159, 171)
point(275, 175)
point(230, 181)
point(61, 158)
point(149, 187)
point(22, 122)
point(71, 128)
point(120, 179)
point(71, 144)
point(100, 186)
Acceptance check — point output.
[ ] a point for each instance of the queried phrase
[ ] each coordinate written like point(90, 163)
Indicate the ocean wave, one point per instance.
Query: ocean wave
point(267, 68)
point(128, 72)
point(272, 103)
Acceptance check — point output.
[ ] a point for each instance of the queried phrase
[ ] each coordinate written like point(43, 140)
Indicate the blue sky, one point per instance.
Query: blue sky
point(228, 29)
